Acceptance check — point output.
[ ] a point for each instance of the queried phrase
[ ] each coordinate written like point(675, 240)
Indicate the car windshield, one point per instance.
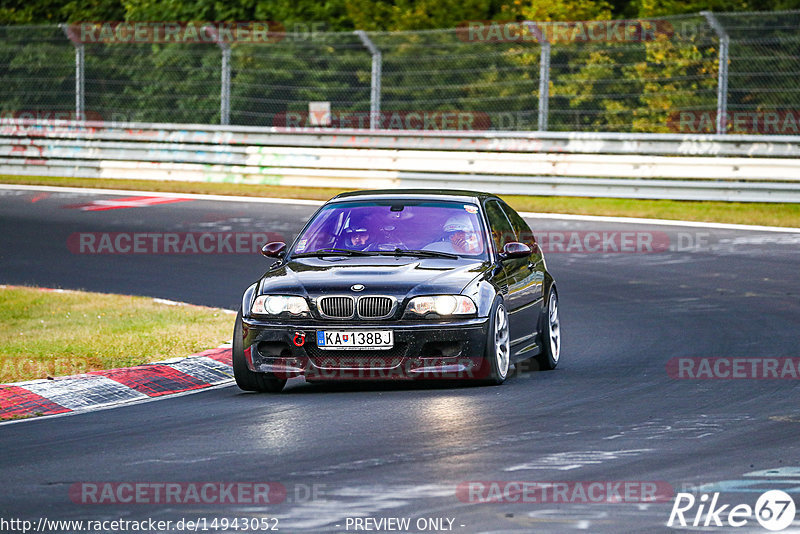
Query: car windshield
point(383, 227)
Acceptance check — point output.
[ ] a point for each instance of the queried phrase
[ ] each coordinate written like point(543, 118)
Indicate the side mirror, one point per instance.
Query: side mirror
point(515, 250)
point(276, 249)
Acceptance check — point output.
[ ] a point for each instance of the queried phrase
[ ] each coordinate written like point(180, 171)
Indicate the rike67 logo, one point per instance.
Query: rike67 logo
point(774, 510)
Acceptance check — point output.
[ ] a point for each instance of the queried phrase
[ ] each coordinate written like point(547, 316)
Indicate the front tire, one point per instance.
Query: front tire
point(551, 333)
point(498, 348)
point(245, 378)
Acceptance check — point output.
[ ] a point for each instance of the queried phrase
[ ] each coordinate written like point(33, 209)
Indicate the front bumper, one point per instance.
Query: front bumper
point(440, 350)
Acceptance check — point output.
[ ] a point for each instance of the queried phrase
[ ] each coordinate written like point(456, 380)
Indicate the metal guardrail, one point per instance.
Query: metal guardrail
point(669, 166)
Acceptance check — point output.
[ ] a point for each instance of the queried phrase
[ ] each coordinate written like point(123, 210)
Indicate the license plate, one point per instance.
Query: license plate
point(355, 339)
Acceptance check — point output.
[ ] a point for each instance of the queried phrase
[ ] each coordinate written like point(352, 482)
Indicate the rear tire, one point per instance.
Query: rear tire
point(245, 378)
point(551, 333)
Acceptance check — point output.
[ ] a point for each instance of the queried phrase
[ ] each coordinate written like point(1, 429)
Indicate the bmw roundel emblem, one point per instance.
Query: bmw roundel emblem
point(357, 287)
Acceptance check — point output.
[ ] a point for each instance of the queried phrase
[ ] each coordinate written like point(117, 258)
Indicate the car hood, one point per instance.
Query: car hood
point(396, 276)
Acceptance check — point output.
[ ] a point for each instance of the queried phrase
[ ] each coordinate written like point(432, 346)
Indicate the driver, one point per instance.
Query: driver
point(358, 235)
point(459, 237)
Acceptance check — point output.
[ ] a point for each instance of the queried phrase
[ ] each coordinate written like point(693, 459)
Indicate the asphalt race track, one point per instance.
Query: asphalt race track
point(613, 412)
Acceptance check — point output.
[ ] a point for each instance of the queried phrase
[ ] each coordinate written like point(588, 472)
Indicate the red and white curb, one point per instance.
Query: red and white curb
point(99, 389)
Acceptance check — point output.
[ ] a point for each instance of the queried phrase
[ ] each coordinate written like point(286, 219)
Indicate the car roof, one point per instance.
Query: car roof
point(407, 194)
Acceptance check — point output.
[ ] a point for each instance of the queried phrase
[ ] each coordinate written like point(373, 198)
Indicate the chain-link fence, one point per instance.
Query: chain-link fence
point(660, 75)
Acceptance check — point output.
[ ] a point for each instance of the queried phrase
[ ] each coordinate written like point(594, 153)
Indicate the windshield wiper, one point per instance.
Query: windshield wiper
point(333, 252)
point(421, 253)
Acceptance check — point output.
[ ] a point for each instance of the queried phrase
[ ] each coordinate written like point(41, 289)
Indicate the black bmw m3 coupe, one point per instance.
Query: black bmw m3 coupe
point(400, 284)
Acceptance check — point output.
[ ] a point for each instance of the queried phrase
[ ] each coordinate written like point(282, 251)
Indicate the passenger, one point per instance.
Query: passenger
point(459, 237)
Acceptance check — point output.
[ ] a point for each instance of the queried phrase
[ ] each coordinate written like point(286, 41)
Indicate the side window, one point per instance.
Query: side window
point(521, 229)
point(501, 229)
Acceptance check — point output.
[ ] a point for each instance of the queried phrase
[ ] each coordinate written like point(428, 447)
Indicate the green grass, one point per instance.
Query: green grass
point(47, 333)
point(17, 417)
point(761, 213)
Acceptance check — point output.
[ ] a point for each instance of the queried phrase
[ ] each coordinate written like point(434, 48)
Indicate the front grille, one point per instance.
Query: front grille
point(337, 307)
point(374, 307)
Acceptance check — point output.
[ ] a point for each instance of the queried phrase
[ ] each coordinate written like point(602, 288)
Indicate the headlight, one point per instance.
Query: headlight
point(442, 305)
point(277, 304)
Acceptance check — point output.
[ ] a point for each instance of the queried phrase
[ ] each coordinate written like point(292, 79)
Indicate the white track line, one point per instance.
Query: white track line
point(223, 198)
point(302, 202)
